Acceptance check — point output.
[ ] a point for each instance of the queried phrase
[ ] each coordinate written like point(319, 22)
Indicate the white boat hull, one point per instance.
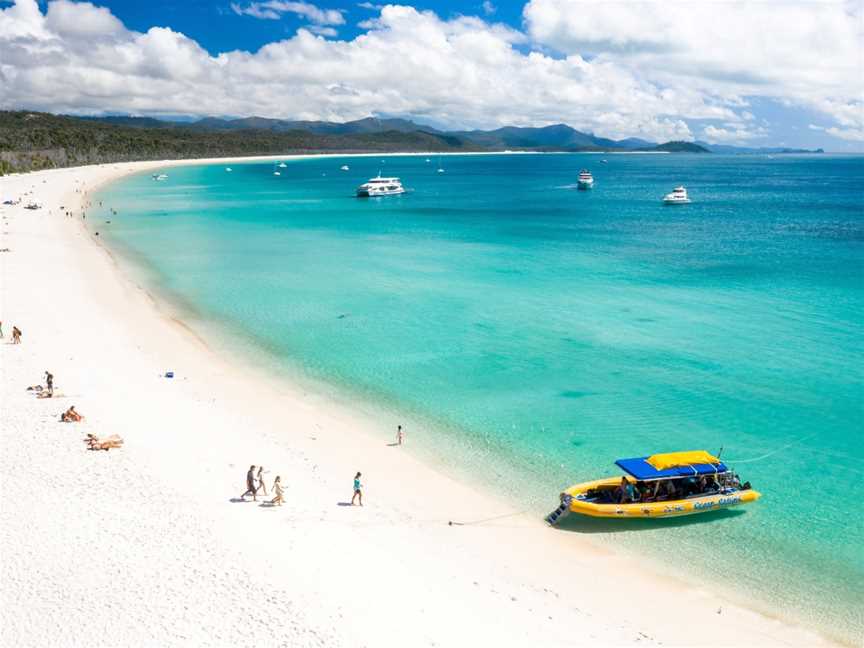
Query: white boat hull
point(373, 193)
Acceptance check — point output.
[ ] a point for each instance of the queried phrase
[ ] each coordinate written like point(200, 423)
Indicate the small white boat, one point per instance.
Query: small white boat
point(380, 187)
point(282, 165)
point(677, 197)
point(344, 167)
point(160, 176)
point(604, 161)
point(428, 160)
point(228, 168)
point(586, 180)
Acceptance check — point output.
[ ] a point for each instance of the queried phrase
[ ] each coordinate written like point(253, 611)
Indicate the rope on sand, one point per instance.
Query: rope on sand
point(497, 517)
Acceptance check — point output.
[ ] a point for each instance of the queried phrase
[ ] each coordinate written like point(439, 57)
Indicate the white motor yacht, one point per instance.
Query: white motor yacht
point(160, 176)
point(380, 187)
point(344, 167)
point(282, 165)
point(228, 168)
point(586, 180)
point(677, 197)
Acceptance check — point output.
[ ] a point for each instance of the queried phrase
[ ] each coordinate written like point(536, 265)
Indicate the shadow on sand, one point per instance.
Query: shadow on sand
point(238, 500)
point(344, 504)
point(583, 524)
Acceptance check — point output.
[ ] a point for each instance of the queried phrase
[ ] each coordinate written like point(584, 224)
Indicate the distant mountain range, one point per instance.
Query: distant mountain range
point(558, 137)
point(30, 140)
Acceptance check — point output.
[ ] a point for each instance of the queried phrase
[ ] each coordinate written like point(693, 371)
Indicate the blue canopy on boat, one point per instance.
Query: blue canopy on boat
point(643, 471)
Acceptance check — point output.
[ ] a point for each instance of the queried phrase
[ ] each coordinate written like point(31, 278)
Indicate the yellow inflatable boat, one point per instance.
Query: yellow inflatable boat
point(659, 486)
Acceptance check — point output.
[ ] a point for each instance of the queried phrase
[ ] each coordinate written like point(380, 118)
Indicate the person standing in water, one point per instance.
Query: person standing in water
point(261, 485)
point(358, 490)
point(250, 485)
point(400, 436)
point(277, 490)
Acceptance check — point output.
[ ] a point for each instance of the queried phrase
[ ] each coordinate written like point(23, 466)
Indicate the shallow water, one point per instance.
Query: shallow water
point(533, 333)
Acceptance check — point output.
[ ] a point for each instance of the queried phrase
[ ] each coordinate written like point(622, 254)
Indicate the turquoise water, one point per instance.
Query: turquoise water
point(532, 333)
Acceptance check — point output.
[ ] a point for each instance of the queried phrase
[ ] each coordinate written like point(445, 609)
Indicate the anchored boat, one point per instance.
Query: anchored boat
point(659, 486)
point(380, 187)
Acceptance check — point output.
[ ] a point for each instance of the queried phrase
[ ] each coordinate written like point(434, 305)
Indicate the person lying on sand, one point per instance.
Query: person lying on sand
point(95, 443)
point(71, 416)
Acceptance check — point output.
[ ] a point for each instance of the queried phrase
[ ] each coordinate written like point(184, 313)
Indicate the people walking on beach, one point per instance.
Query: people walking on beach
point(49, 382)
point(250, 485)
point(277, 490)
point(261, 485)
point(16, 335)
point(358, 490)
point(400, 436)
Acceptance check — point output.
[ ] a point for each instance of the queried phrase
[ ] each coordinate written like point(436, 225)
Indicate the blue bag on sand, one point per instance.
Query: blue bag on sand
point(169, 374)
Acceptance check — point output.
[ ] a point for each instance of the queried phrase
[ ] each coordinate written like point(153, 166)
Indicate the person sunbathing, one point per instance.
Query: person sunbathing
point(95, 443)
point(71, 416)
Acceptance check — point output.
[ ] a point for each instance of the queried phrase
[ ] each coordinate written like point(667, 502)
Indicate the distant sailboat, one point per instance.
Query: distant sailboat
point(275, 172)
point(440, 168)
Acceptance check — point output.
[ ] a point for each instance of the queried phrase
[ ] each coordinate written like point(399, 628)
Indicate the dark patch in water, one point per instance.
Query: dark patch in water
point(645, 319)
point(572, 393)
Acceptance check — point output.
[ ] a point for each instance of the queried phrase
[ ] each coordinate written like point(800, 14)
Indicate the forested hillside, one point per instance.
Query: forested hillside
point(31, 141)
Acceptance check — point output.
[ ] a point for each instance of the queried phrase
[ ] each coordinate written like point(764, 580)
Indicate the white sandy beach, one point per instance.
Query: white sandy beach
point(144, 545)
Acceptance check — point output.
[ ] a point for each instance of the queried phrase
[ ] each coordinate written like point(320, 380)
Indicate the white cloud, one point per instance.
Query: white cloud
point(809, 54)
point(369, 5)
point(461, 72)
point(323, 31)
point(849, 134)
point(730, 134)
point(488, 7)
point(273, 10)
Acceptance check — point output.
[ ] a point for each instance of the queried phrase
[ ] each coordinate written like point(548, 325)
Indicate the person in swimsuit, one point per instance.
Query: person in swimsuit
point(250, 485)
point(49, 381)
point(400, 436)
point(358, 490)
point(16, 335)
point(261, 485)
point(277, 490)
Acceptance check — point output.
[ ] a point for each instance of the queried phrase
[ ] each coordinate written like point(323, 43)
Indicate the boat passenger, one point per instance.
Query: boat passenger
point(671, 491)
point(646, 493)
point(627, 492)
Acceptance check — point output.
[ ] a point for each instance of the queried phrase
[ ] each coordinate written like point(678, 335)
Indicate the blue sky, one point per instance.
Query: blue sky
point(218, 29)
point(656, 69)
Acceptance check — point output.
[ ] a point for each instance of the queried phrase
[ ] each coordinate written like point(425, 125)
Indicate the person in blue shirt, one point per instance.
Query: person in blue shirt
point(358, 490)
